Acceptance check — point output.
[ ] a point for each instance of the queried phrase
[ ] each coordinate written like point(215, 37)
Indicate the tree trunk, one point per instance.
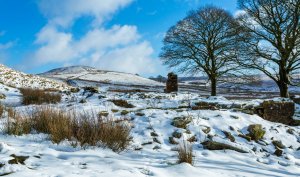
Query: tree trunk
point(283, 82)
point(284, 91)
point(213, 86)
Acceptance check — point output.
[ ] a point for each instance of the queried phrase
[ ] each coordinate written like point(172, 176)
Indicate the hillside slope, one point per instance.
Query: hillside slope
point(19, 79)
point(79, 74)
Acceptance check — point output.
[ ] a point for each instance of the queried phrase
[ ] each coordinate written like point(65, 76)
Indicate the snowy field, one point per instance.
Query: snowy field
point(152, 154)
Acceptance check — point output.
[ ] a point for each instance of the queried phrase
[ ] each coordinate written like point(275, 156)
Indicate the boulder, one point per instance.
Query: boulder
point(278, 144)
point(212, 145)
point(229, 136)
point(256, 132)
point(181, 122)
point(278, 152)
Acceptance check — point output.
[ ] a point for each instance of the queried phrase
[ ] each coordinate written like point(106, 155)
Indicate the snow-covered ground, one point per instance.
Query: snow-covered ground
point(146, 157)
point(18, 79)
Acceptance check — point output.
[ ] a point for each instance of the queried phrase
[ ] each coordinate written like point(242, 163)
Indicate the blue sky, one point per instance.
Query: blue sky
point(123, 35)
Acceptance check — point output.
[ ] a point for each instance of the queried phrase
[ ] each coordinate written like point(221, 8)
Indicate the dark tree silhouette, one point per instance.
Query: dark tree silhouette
point(205, 41)
point(272, 43)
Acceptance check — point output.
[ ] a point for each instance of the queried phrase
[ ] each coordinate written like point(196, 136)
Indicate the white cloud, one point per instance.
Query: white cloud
point(7, 45)
point(133, 58)
point(118, 47)
point(64, 12)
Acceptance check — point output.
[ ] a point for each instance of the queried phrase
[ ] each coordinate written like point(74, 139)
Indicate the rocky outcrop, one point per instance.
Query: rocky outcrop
point(172, 83)
point(277, 111)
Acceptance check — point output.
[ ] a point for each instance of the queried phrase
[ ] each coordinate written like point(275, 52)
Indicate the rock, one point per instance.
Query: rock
point(192, 139)
point(234, 117)
point(124, 112)
point(181, 122)
point(2, 96)
point(172, 83)
point(82, 101)
point(156, 147)
point(156, 140)
point(278, 144)
point(231, 128)
point(278, 152)
point(206, 130)
point(147, 143)
point(256, 132)
point(154, 134)
point(18, 159)
point(91, 89)
point(236, 106)
point(212, 145)
point(172, 140)
point(139, 114)
point(122, 103)
point(229, 136)
point(205, 106)
point(177, 134)
point(290, 131)
point(103, 114)
point(278, 111)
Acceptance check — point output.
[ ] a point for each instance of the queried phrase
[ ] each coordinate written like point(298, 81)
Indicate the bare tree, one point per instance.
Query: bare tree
point(205, 41)
point(273, 40)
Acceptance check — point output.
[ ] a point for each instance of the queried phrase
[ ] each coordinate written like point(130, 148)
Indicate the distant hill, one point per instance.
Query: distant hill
point(85, 75)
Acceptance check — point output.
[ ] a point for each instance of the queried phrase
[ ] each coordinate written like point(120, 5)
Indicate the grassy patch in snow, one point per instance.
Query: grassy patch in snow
point(35, 96)
point(82, 129)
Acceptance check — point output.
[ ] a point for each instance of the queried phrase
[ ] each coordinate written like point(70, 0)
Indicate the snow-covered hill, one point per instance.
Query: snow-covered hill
point(80, 75)
point(19, 79)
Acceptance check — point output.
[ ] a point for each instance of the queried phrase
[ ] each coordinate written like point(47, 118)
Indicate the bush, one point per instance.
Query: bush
point(185, 153)
point(85, 129)
point(122, 103)
point(36, 96)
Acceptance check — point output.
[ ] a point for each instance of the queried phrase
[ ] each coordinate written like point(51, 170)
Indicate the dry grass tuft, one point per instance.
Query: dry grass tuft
point(1, 110)
point(185, 153)
point(86, 129)
point(36, 96)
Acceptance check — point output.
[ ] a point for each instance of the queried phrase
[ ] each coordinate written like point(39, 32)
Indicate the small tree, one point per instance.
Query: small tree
point(205, 41)
point(272, 40)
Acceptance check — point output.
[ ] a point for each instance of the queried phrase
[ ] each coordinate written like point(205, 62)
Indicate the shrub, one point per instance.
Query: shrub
point(85, 128)
point(185, 153)
point(122, 103)
point(36, 96)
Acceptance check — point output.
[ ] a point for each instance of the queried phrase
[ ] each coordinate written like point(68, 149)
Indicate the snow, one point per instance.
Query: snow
point(88, 74)
point(158, 160)
point(18, 79)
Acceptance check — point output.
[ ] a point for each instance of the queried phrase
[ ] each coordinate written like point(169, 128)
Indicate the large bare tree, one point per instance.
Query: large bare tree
point(205, 41)
point(272, 45)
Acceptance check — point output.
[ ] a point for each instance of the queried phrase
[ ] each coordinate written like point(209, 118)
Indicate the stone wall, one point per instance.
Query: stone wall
point(277, 111)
